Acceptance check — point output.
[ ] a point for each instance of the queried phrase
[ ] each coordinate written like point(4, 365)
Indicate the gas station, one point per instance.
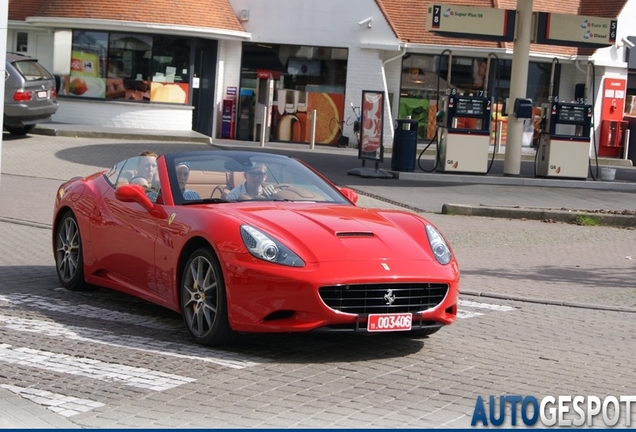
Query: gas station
point(567, 141)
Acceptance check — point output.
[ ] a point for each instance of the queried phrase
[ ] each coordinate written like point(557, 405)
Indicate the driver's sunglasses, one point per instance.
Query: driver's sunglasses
point(256, 173)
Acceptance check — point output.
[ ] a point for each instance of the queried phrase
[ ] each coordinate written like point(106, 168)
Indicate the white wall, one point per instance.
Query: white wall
point(228, 74)
point(321, 23)
point(626, 20)
point(125, 115)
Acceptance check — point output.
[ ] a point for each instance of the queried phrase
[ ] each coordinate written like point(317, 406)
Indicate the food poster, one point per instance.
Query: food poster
point(83, 86)
point(169, 92)
point(290, 116)
point(88, 57)
point(417, 109)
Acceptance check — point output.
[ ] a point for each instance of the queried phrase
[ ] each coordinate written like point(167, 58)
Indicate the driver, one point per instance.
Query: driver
point(254, 186)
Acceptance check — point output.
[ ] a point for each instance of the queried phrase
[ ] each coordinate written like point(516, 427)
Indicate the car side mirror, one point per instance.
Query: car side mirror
point(350, 194)
point(135, 193)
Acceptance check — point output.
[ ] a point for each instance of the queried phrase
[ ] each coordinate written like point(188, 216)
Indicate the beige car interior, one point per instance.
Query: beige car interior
point(214, 184)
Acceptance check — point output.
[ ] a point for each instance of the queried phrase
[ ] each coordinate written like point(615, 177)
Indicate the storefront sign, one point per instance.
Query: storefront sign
point(575, 30)
point(372, 127)
point(471, 22)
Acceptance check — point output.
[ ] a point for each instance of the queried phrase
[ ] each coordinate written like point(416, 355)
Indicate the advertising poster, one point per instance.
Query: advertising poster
point(291, 116)
point(88, 58)
point(372, 126)
point(83, 86)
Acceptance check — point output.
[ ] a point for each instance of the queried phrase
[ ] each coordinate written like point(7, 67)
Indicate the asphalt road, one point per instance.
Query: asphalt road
point(545, 310)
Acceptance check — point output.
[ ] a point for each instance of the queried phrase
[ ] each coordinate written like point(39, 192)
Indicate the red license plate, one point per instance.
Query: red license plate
point(389, 322)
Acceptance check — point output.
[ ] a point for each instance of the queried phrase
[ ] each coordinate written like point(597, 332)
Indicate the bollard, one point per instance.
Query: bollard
point(312, 129)
point(264, 127)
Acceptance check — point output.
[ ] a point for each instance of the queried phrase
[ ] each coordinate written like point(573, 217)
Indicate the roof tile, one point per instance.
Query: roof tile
point(216, 14)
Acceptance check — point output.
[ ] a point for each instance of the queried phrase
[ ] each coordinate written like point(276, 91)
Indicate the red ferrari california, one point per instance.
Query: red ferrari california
point(243, 242)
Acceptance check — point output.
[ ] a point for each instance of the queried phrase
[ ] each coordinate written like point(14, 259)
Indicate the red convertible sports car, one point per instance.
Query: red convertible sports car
point(243, 242)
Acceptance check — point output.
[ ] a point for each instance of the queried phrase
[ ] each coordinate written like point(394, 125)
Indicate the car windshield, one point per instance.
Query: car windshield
point(31, 70)
point(228, 176)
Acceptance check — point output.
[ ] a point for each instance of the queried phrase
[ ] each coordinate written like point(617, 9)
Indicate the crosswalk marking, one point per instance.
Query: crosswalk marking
point(462, 313)
point(87, 311)
point(192, 352)
point(63, 405)
point(478, 305)
point(92, 368)
point(465, 314)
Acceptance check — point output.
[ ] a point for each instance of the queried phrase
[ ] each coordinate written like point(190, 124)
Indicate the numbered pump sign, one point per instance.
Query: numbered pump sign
point(372, 126)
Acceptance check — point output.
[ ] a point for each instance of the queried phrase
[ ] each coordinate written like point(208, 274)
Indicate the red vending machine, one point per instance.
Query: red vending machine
point(228, 113)
point(612, 137)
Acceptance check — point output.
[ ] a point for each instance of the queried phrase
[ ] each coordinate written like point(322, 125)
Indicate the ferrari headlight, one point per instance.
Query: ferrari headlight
point(266, 248)
point(438, 245)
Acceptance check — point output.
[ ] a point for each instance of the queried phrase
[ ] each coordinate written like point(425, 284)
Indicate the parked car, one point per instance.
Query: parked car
point(297, 256)
point(29, 94)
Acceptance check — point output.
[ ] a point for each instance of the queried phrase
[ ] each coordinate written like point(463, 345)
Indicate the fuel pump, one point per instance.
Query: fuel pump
point(564, 143)
point(464, 133)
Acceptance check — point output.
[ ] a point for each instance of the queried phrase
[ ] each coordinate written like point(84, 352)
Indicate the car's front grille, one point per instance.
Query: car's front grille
point(384, 297)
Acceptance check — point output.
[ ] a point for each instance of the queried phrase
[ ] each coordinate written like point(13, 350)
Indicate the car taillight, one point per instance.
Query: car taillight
point(22, 95)
point(53, 94)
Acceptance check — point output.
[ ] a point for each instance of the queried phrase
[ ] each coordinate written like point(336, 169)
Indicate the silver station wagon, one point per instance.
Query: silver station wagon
point(29, 94)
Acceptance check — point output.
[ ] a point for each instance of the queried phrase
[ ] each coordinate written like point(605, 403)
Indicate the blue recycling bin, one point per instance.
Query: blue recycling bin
point(404, 145)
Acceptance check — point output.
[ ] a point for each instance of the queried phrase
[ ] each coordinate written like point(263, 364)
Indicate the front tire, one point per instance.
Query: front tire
point(69, 262)
point(203, 300)
point(19, 130)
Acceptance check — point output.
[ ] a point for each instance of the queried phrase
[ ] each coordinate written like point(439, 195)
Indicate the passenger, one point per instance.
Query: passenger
point(146, 172)
point(254, 186)
point(183, 172)
point(146, 167)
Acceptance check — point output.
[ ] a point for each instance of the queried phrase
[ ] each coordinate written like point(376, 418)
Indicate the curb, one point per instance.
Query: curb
point(170, 136)
point(565, 216)
point(547, 302)
point(25, 223)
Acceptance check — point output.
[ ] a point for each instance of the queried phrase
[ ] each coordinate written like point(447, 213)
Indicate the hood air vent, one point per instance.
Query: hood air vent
point(355, 234)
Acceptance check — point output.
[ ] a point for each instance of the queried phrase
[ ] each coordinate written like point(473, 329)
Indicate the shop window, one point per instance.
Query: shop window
point(129, 66)
point(88, 66)
point(305, 78)
point(171, 59)
point(129, 56)
point(22, 42)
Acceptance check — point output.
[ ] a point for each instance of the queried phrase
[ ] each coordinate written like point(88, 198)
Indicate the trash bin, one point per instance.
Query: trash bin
point(404, 151)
